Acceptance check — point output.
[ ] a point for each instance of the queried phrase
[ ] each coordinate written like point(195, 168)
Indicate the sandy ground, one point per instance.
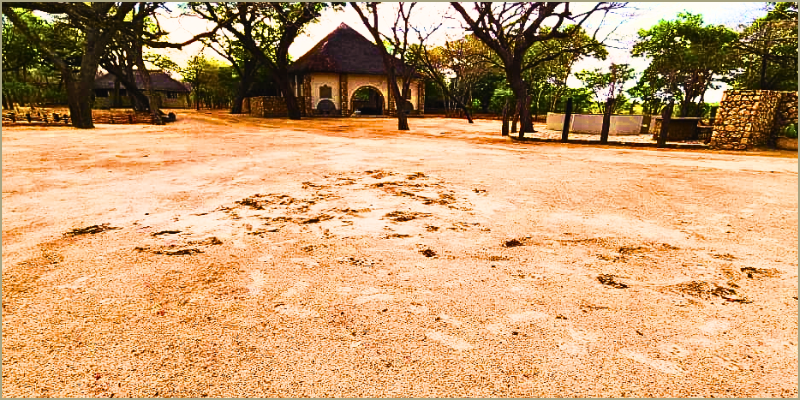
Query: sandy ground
point(244, 257)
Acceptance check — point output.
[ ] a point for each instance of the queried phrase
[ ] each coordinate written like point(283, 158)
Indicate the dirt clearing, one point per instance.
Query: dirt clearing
point(243, 257)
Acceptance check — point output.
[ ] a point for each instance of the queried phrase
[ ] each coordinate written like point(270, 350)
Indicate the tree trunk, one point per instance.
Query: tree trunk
point(504, 129)
point(762, 83)
point(79, 102)
point(606, 121)
point(666, 115)
point(515, 118)
point(466, 112)
point(521, 94)
point(525, 123)
point(153, 100)
point(248, 75)
point(402, 121)
point(116, 102)
point(126, 78)
point(567, 120)
point(292, 107)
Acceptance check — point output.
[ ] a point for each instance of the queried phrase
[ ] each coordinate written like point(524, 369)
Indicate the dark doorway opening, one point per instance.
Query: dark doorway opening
point(368, 101)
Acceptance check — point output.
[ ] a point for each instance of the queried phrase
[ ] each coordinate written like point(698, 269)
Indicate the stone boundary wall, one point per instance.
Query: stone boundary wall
point(748, 118)
point(270, 106)
point(182, 101)
point(787, 112)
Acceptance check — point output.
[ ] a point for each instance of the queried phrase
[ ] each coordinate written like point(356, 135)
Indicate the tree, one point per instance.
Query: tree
point(648, 94)
point(196, 74)
point(607, 86)
point(570, 50)
point(510, 29)
point(687, 57)
point(455, 68)
point(98, 24)
point(767, 50)
point(126, 53)
point(242, 62)
point(399, 49)
point(265, 31)
point(484, 88)
point(29, 77)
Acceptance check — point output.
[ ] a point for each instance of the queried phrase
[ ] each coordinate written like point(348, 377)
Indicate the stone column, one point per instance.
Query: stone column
point(745, 119)
point(307, 107)
point(390, 99)
point(421, 97)
point(343, 100)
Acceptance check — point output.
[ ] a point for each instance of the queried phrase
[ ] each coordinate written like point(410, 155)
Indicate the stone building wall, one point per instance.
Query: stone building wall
point(748, 118)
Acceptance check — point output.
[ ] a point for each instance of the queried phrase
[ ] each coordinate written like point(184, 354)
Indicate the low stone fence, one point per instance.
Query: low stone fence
point(748, 118)
point(593, 123)
point(269, 106)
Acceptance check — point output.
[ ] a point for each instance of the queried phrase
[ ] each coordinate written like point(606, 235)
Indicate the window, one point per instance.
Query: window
point(172, 95)
point(101, 93)
point(325, 92)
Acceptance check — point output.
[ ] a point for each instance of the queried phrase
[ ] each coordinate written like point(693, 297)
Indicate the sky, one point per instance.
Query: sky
point(620, 29)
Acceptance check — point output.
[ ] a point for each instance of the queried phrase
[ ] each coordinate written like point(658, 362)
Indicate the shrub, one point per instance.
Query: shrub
point(790, 131)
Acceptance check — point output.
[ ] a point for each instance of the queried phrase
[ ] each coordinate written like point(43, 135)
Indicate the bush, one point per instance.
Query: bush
point(790, 131)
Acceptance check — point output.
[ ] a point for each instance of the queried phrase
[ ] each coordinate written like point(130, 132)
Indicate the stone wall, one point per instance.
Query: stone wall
point(787, 112)
point(269, 106)
point(748, 118)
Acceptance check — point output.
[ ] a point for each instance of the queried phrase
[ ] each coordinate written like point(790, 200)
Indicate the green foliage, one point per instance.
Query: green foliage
point(607, 85)
point(686, 57)
point(766, 51)
point(28, 76)
point(213, 82)
point(790, 131)
point(484, 89)
point(161, 62)
point(501, 97)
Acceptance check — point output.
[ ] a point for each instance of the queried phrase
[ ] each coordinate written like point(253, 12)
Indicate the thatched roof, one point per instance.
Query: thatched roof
point(159, 79)
point(343, 51)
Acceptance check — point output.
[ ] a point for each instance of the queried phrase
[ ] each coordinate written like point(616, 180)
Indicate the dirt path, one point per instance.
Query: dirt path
point(243, 257)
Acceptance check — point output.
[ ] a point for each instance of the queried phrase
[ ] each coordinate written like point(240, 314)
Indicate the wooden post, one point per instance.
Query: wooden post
point(666, 115)
point(567, 120)
point(606, 121)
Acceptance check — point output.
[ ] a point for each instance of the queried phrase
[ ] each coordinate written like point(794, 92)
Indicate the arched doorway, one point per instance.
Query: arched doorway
point(367, 101)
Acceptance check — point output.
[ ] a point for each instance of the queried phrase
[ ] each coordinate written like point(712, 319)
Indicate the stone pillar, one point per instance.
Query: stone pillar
point(390, 99)
point(307, 107)
point(343, 100)
point(745, 118)
point(421, 97)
